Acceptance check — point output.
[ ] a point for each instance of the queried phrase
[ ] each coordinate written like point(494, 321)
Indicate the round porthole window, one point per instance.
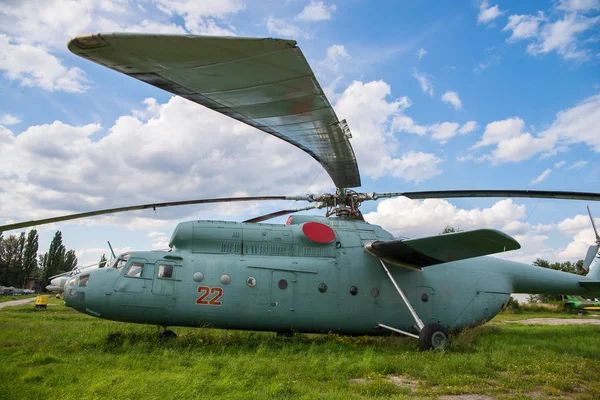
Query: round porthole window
point(283, 284)
point(198, 276)
point(374, 292)
point(225, 279)
point(353, 290)
point(424, 298)
point(251, 281)
point(322, 287)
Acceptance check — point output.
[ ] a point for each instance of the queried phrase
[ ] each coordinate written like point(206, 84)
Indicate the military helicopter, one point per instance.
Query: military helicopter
point(315, 273)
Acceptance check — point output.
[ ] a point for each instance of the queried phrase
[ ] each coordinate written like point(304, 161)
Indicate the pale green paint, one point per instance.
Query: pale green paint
point(460, 293)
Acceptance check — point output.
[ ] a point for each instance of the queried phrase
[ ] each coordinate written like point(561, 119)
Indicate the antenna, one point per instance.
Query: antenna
point(111, 249)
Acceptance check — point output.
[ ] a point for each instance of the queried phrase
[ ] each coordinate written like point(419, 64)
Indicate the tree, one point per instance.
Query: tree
point(102, 262)
point(70, 261)
point(450, 229)
point(30, 255)
point(54, 261)
point(567, 266)
point(11, 259)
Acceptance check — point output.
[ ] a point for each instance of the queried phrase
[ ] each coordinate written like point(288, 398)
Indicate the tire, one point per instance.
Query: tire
point(168, 335)
point(433, 337)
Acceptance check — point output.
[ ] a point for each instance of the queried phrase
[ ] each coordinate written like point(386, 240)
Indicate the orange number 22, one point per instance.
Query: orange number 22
point(205, 292)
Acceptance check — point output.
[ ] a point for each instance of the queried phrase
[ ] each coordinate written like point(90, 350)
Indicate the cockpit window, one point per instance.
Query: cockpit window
point(121, 261)
point(135, 270)
point(165, 271)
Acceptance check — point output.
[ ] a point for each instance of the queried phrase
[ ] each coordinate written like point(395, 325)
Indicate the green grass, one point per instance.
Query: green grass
point(59, 353)
point(6, 298)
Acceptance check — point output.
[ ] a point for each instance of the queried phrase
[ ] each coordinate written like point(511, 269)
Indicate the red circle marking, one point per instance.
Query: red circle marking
point(318, 232)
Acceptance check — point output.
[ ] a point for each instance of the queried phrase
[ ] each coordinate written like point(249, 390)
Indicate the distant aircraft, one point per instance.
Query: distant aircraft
point(581, 303)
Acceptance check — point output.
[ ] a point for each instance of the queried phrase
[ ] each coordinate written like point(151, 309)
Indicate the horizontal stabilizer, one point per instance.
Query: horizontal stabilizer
point(426, 251)
point(594, 286)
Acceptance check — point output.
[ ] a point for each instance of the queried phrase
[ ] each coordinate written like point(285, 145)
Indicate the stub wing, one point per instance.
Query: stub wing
point(265, 83)
point(432, 250)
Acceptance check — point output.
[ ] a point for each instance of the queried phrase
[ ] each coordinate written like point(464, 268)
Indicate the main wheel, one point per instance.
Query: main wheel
point(433, 337)
point(167, 334)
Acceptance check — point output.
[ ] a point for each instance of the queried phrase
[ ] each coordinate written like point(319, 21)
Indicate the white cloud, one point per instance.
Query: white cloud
point(336, 54)
point(285, 29)
point(52, 22)
point(542, 177)
point(424, 81)
point(562, 36)
point(421, 53)
point(412, 218)
point(579, 5)
point(9, 119)
point(578, 124)
point(560, 164)
point(369, 115)
point(523, 26)
point(578, 165)
point(200, 17)
point(452, 99)
point(35, 67)
point(487, 13)
point(447, 130)
point(316, 11)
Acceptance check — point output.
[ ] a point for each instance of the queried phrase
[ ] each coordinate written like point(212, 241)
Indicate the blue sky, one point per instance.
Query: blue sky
point(439, 95)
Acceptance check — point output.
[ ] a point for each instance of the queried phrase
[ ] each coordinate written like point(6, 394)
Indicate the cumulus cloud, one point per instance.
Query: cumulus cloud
point(33, 66)
point(560, 164)
point(523, 26)
point(9, 119)
point(283, 28)
point(404, 217)
point(424, 81)
point(421, 53)
point(370, 117)
point(452, 99)
point(487, 13)
point(336, 55)
point(316, 11)
point(579, 5)
point(203, 17)
point(542, 177)
point(562, 36)
point(578, 124)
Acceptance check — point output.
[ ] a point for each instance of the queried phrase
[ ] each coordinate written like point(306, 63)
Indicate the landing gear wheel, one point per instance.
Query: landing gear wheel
point(433, 337)
point(166, 334)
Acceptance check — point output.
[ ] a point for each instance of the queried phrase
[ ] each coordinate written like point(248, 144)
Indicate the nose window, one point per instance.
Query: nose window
point(83, 280)
point(165, 271)
point(135, 270)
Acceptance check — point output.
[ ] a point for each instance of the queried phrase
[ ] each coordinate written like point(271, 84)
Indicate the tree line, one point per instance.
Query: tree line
point(19, 259)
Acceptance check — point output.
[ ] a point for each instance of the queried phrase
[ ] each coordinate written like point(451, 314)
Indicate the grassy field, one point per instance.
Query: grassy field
point(4, 299)
point(59, 353)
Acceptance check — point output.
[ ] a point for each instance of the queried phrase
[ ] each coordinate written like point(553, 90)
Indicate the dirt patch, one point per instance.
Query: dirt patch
point(557, 321)
point(400, 381)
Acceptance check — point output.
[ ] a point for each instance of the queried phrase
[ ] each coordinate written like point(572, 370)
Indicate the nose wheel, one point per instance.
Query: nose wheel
point(166, 334)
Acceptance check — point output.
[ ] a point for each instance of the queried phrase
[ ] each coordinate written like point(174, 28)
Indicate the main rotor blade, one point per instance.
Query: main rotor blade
point(447, 194)
point(265, 83)
point(280, 213)
point(26, 224)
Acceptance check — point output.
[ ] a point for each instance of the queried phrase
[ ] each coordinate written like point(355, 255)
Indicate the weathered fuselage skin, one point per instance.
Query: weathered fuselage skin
point(458, 294)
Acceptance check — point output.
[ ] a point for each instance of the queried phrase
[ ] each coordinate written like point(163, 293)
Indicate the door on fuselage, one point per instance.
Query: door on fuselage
point(164, 278)
point(135, 277)
point(282, 295)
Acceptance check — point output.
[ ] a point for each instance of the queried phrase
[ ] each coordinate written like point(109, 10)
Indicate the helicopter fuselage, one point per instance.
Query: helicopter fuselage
point(277, 278)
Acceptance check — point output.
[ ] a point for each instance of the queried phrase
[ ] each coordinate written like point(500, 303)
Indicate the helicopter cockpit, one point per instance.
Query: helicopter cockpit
point(120, 261)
